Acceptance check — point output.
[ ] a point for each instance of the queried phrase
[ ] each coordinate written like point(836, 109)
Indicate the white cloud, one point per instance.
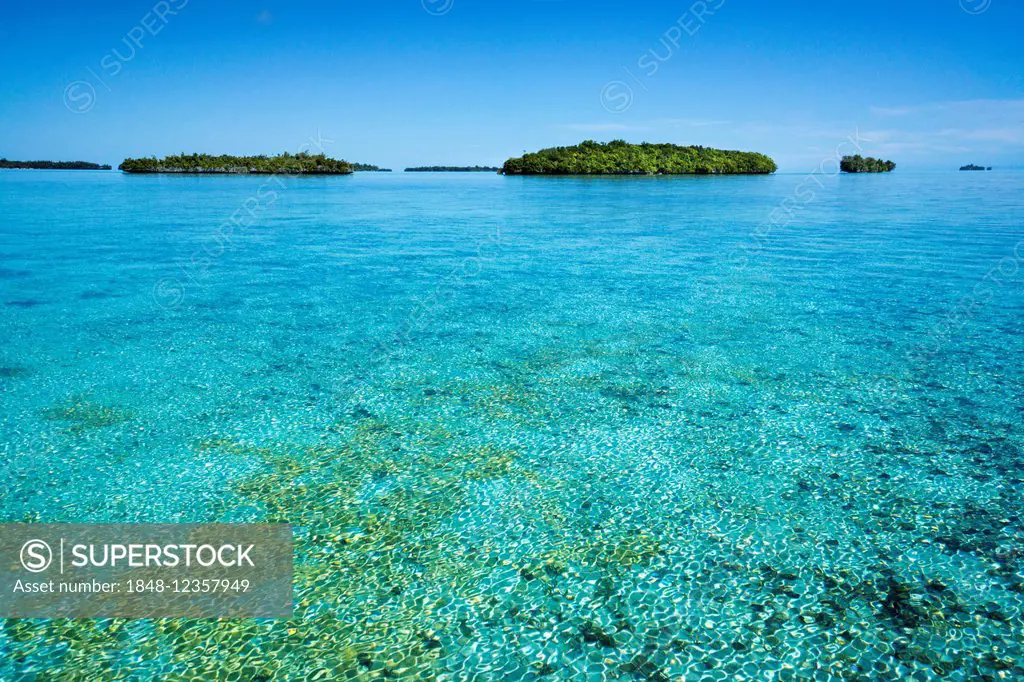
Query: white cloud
point(600, 127)
point(891, 111)
point(688, 122)
point(983, 106)
point(984, 126)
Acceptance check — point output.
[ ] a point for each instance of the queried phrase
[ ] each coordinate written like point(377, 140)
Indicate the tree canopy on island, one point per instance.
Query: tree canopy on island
point(453, 169)
point(283, 164)
point(859, 164)
point(370, 168)
point(54, 165)
point(622, 158)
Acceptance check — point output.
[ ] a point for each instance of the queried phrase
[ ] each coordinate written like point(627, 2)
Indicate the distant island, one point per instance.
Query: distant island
point(622, 158)
point(283, 164)
point(859, 164)
point(369, 168)
point(53, 165)
point(453, 169)
point(972, 167)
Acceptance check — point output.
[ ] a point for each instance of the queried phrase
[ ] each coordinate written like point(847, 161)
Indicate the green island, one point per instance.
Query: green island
point(622, 158)
point(972, 167)
point(859, 164)
point(283, 164)
point(52, 165)
point(453, 169)
point(369, 168)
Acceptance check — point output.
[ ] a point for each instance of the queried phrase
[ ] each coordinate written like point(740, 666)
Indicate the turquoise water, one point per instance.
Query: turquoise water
point(533, 428)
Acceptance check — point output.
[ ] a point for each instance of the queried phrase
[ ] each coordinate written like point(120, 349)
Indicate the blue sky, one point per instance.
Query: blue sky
point(405, 82)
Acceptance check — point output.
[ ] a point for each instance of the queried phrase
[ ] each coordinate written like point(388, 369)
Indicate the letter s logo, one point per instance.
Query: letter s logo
point(79, 97)
point(36, 556)
point(616, 97)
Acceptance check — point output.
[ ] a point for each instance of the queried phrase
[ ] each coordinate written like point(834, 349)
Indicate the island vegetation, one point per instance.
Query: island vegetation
point(453, 169)
point(972, 167)
point(53, 165)
point(369, 168)
point(282, 164)
point(860, 164)
point(622, 158)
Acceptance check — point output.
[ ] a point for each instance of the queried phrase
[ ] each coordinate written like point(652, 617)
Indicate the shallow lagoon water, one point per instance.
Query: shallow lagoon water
point(533, 428)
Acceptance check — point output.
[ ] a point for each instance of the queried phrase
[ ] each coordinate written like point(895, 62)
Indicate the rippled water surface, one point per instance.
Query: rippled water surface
point(532, 428)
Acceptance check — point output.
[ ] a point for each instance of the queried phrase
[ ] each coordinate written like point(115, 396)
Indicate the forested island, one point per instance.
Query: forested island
point(453, 169)
point(53, 165)
point(369, 168)
point(282, 164)
point(859, 164)
point(622, 158)
point(972, 167)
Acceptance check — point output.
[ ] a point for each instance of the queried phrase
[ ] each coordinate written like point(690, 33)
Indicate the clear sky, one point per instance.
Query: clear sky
point(928, 83)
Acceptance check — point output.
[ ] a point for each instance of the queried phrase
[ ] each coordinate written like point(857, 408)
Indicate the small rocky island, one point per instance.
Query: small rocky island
point(453, 169)
point(205, 164)
point(622, 158)
point(972, 167)
point(860, 164)
point(53, 165)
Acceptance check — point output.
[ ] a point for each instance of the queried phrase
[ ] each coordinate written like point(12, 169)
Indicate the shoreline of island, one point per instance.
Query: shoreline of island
point(621, 158)
point(617, 158)
point(53, 165)
point(206, 164)
point(453, 169)
point(860, 164)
